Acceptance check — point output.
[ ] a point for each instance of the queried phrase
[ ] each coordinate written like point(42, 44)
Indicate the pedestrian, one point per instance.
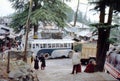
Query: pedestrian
point(36, 63)
point(76, 62)
point(90, 67)
point(43, 63)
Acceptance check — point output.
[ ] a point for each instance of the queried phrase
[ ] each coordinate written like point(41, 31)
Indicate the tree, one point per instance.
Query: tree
point(52, 11)
point(104, 29)
point(27, 31)
point(115, 35)
point(39, 10)
point(76, 13)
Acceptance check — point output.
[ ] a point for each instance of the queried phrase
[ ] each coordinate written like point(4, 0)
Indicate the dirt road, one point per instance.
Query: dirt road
point(60, 69)
point(56, 70)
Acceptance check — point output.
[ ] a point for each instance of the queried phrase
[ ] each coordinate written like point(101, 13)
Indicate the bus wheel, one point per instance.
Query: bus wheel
point(46, 55)
point(107, 71)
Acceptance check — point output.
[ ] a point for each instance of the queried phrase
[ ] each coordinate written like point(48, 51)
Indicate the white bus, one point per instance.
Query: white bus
point(52, 47)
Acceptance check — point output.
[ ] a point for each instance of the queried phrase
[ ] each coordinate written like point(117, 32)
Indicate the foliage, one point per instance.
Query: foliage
point(51, 11)
point(18, 20)
point(78, 47)
point(115, 34)
point(103, 25)
point(104, 29)
point(80, 18)
point(100, 3)
point(83, 19)
point(116, 18)
point(70, 16)
point(112, 40)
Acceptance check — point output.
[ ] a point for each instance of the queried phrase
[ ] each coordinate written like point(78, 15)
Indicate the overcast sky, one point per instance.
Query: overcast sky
point(5, 8)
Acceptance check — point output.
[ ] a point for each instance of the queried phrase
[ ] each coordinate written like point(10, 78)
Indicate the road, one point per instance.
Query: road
point(56, 70)
point(60, 69)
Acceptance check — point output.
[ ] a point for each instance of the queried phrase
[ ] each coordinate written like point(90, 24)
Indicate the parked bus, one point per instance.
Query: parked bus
point(51, 47)
point(112, 63)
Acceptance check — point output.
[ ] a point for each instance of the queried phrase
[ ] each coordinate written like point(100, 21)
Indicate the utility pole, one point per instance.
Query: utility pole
point(27, 31)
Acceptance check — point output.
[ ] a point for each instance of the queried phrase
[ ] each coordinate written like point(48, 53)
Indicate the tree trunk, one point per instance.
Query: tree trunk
point(27, 31)
point(101, 48)
point(102, 43)
point(101, 53)
point(35, 32)
point(35, 25)
point(26, 41)
point(76, 14)
point(35, 29)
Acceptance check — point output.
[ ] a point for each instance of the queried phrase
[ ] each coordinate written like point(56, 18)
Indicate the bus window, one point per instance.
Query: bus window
point(57, 45)
point(41, 45)
point(37, 45)
point(49, 45)
point(68, 45)
point(44, 45)
point(53, 45)
point(61, 45)
point(33, 46)
point(65, 45)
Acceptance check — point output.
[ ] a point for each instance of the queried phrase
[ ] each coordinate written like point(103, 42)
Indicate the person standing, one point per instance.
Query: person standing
point(76, 62)
point(36, 63)
point(43, 63)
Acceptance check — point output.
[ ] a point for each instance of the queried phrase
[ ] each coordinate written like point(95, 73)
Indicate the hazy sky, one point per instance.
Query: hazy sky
point(5, 8)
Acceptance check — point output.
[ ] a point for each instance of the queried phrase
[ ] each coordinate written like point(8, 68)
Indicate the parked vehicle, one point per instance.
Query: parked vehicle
point(51, 47)
point(112, 64)
point(88, 51)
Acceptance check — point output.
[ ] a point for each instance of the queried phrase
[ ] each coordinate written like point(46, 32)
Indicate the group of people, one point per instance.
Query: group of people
point(75, 61)
point(41, 59)
point(77, 65)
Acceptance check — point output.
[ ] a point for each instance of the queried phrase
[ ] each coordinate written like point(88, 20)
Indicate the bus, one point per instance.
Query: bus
point(52, 48)
point(112, 63)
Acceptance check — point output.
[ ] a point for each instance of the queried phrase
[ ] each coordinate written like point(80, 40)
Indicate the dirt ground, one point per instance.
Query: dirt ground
point(56, 70)
point(60, 69)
